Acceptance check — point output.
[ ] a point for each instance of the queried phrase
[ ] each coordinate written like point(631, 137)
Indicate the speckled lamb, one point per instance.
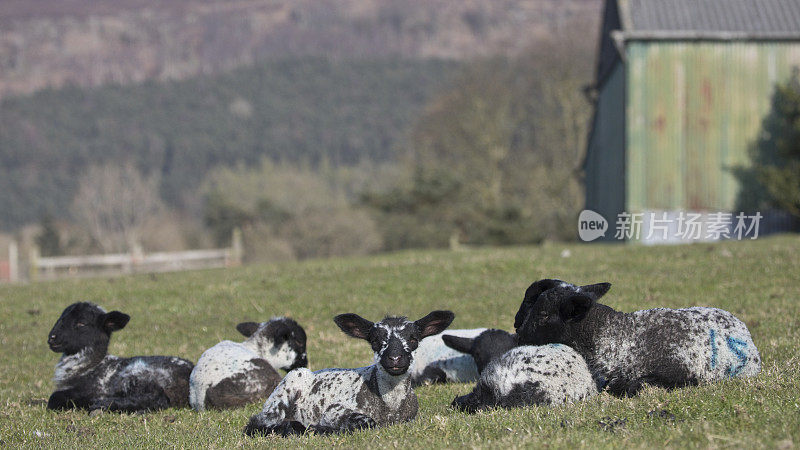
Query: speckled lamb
point(512, 376)
point(663, 347)
point(232, 374)
point(87, 377)
point(344, 400)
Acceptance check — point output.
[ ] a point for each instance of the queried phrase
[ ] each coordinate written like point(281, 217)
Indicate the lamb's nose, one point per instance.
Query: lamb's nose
point(51, 338)
point(394, 359)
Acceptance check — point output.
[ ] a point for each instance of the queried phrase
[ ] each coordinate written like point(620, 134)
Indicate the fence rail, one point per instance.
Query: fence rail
point(134, 262)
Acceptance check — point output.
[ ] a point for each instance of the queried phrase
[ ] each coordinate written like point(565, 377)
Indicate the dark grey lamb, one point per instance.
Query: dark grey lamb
point(344, 400)
point(483, 348)
point(87, 377)
point(664, 347)
point(514, 376)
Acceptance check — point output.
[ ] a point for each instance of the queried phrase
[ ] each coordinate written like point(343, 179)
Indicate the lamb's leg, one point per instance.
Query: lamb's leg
point(480, 398)
point(431, 375)
point(149, 398)
point(621, 387)
point(67, 399)
point(338, 419)
point(525, 394)
point(278, 413)
point(272, 419)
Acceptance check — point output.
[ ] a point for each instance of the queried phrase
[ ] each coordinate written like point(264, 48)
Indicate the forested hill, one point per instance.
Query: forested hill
point(305, 109)
point(50, 43)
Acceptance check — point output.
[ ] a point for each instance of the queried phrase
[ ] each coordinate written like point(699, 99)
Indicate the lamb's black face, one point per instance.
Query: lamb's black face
point(485, 347)
point(285, 338)
point(556, 311)
point(394, 339)
point(291, 336)
point(491, 344)
point(531, 295)
point(84, 325)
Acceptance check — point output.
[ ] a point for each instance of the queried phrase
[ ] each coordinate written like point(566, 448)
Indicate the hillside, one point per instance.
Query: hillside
point(183, 314)
point(46, 43)
point(306, 110)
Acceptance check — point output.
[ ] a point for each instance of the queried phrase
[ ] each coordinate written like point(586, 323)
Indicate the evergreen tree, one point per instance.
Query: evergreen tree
point(773, 180)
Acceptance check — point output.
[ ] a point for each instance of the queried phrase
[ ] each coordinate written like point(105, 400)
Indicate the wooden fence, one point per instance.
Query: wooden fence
point(48, 268)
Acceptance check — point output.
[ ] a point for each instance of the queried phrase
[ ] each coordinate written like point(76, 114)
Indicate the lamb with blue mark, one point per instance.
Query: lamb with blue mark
point(232, 374)
point(669, 348)
point(514, 376)
point(87, 377)
point(345, 400)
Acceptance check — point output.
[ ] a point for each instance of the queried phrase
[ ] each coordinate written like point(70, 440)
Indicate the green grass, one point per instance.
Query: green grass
point(185, 313)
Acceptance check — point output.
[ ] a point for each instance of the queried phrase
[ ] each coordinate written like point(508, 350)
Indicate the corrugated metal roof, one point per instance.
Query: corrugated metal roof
point(750, 17)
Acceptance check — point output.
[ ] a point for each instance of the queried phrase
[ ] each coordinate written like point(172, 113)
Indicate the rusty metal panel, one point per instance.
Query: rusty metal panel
point(693, 109)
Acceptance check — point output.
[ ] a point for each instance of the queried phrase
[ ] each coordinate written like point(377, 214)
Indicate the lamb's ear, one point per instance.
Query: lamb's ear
point(114, 321)
point(354, 325)
point(247, 328)
point(434, 323)
point(461, 344)
point(575, 307)
point(535, 290)
point(598, 289)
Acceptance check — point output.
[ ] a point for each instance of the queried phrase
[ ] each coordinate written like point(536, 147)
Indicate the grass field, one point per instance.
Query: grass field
point(184, 313)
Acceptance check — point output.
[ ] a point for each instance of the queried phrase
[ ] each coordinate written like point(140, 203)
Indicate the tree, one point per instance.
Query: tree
point(48, 240)
point(773, 179)
point(114, 203)
point(286, 211)
point(496, 158)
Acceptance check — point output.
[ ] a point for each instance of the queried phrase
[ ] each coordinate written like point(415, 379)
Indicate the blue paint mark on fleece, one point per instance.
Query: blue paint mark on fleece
point(713, 342)
point(736, 346)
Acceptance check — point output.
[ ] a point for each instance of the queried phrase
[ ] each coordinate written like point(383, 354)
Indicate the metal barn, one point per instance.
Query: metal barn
point(681, 89)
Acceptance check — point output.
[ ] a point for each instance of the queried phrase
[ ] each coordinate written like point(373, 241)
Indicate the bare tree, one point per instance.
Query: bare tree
point(114, 203)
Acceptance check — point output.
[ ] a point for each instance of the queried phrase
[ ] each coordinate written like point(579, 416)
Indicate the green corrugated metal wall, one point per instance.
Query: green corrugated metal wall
point(693, 108)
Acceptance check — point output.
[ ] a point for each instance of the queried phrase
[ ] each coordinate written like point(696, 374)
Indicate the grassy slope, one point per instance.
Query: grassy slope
point(185, 313)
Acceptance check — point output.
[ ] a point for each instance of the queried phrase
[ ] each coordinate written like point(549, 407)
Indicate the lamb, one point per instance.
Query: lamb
point(484, 348)
point(232, 374)
point(669, 348)
point(512, 376)
point(436, 362)
point(344, 400)
point(87, 377)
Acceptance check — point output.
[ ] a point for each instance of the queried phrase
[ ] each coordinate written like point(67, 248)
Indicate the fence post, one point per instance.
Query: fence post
point(13, 262)
point(34, 263)
point(237, 250)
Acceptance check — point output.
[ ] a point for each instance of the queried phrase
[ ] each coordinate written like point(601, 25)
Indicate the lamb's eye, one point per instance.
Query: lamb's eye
point(413, 342)
point(78, 325)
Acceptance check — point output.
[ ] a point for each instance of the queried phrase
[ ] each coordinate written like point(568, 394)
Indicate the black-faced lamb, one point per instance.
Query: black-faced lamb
point(664, 347)
point(512, 376)
point(436, 362)
point(232, 374)
point(87, 377)
point(344, 400)
point(483, 348)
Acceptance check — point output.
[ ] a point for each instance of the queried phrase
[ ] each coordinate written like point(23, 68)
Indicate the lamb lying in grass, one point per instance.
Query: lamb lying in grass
point(663, 347)
point(436, 362)
point(343, 400)
point(512, 376)
point(233, 374)
point(87, 377)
